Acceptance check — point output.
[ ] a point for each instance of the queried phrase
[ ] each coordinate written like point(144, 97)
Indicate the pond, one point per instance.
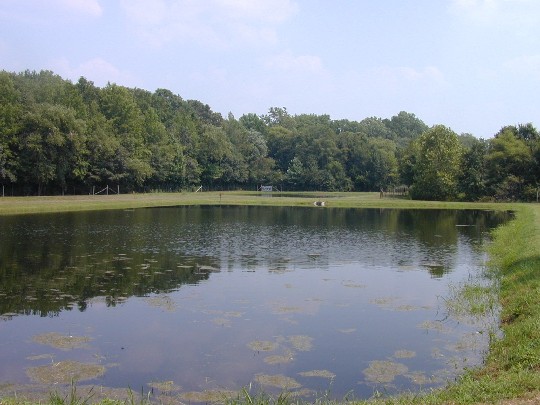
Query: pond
point(189, 303)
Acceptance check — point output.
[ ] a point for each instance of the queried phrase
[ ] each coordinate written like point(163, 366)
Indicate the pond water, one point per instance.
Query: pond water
point(190, 302)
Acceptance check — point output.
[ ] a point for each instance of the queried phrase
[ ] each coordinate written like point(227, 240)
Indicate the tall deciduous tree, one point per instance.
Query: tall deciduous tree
point(510, 164)
point(10, 113)
point(437, 165)
point(472, 181)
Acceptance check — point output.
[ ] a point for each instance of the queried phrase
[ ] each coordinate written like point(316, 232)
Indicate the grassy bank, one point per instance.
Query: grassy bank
point(29, 205)
point(512, 369)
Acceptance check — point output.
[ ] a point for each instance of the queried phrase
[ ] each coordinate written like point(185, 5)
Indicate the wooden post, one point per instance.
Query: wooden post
point(118, 189)
point(107, 189)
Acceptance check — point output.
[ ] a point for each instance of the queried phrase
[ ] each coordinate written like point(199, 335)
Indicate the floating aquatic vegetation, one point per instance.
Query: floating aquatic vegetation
point(165, 386)
point(318, 373)
point(59, 341)
point(207, 269)
point(420, 378)
point(470, 342)
point(406, 308)
point(233, 314)
point(384, 371)
point(262, 346)
point(162, 301)
point(433, 325)
point(437, 353)
point(288, 310)
point(277, 380)
point(404, 354)
point(279, 359)
point(301, 343)
point(218, 396)
point(384, 302)
point(352, 284)
point(65, 372)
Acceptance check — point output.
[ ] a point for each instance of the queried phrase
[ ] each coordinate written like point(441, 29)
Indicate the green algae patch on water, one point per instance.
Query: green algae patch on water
point(234, 314)
point(318, 373)
point(352, 284)
point(420, 378)
point(65, 372)
point(163, 302)
point(59, 341)
point(301, 343)
point(279, 359)
point(165, 386)
point(277, 380)
point(262, 346)
point(433, 326)
point(288, 310)
point(384, 371)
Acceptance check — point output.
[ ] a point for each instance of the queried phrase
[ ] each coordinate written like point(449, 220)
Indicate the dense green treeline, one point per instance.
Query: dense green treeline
point(61, 137)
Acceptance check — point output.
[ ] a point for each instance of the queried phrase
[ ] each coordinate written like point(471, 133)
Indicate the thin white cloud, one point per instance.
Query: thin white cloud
point(403, 76)
point(276, 11)
point(218, 22)
point(145, 12)
point(25, 10)
point(286, 61)
point(91, 7)
point(498, 13)
point(527, 66)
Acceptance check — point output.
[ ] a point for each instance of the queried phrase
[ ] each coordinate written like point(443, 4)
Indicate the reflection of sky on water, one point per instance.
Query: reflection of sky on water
point(362, 284)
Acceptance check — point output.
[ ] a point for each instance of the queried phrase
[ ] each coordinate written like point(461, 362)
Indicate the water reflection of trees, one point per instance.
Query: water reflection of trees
point(48, 292)
point(46, 268)
point(50, 263)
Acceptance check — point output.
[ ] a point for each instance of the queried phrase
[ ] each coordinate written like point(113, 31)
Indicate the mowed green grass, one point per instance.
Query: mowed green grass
point(29, 205)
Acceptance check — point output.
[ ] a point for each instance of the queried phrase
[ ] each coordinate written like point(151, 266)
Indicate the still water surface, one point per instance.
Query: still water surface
point(188, 300)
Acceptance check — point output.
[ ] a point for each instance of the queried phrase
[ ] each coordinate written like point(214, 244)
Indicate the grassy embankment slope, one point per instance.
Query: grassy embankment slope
point(512, 369)
point(30, 205)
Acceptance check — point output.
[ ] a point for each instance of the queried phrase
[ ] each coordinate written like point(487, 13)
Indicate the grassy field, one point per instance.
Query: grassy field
point(511, 374)
point(28, 205)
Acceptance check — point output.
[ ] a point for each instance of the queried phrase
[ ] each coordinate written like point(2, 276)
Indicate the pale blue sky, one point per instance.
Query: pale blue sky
point(472, 65)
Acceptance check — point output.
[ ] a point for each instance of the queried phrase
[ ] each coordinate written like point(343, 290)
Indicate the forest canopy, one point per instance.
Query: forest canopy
point(60, 137)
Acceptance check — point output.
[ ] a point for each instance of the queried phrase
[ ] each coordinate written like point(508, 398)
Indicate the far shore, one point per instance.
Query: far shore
point(49, 204)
